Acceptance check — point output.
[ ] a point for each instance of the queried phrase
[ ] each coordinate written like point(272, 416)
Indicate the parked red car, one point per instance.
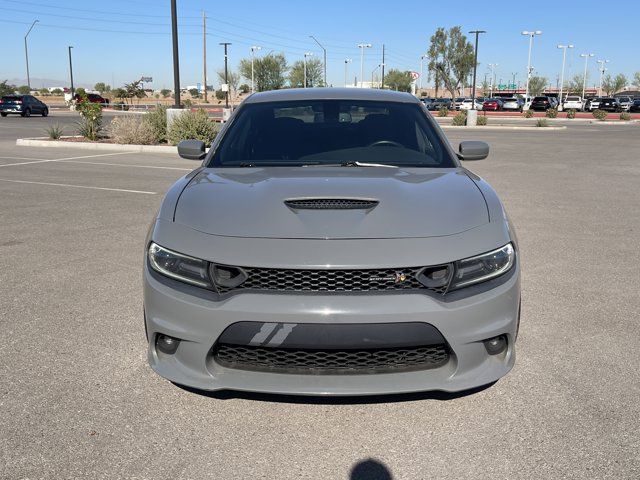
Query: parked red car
point(93, 98)
point(492, 104)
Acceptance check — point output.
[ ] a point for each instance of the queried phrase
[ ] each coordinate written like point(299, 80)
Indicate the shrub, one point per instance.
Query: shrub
point(571, 113)
point(528, 113)
point(157, 120)
point(120, 106)
point(244, 88)
point(625, 116)
point(542, 122)
point(552, 113)
point(192, 126)
point(90, 125)
point(187, 103)
point(443, 112)
point(482, 120)
point(220, 95)
point(55, 131)
point(460, 119)
point(132, 129)
point(599, 114)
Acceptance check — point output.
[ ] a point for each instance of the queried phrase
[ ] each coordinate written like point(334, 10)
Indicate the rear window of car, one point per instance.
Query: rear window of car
point(573, 99)
point(318, 132)
point(538, 99)
point(11, 98)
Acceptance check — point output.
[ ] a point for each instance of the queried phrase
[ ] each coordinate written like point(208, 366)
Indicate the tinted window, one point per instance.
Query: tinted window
point(540, 99)
point(318, 132)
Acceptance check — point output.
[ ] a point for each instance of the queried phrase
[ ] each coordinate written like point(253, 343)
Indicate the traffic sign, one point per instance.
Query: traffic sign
point(415, 75)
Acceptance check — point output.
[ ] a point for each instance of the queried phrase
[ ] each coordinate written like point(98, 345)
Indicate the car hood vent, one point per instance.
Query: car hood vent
point(331, 204)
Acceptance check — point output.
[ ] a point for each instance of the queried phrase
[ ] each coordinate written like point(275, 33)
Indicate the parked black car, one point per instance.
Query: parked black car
point(635, 105)
point(439, 103)
point(542, 103)
point(610, 105)
point(23, 105)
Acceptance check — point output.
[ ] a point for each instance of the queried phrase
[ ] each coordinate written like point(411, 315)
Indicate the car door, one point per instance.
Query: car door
point(34, 104)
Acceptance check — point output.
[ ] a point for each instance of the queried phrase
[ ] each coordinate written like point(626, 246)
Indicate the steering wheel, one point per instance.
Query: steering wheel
point(386, 143)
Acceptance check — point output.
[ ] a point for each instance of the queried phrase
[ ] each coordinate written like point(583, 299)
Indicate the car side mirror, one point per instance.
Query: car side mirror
point(192, 149)
point(473, 150)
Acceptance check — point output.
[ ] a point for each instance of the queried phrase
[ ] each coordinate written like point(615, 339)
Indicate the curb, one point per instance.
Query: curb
point(503, 127)
point(616, 122)
point(42, 142)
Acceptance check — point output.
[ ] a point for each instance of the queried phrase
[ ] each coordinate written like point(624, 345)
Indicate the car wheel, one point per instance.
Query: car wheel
point(3, 114)
point(26, 113)
point(45, 112)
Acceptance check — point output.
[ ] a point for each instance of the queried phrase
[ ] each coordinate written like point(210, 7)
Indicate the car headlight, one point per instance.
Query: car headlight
point(483, 267)
point(178, 266)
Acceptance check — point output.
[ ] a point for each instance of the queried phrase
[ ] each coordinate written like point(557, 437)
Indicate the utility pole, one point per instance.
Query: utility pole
point(347, 61)
point(513, 82)
point(493, 77)
point(176, 62)
point(475, 68)
point(325, 58)
point(422, 57)
point(383, 65)
point(564, 57)
point(26, 52)
point(71, 73)
point(306, 54)
point(529, 69)
point(204, 53)
point(362, 46)
point(584, 79)
point(602, 70)
point(253, 49)
point(374, 71)
point(226, 73)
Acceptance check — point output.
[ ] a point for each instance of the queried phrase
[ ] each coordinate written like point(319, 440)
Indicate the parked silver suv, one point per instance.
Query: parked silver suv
point(331, 243)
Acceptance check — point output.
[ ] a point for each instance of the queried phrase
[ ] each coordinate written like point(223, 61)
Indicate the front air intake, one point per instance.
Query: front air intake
point(331, 204)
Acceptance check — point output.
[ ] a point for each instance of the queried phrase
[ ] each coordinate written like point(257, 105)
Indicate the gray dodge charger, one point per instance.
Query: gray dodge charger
point(331, 243)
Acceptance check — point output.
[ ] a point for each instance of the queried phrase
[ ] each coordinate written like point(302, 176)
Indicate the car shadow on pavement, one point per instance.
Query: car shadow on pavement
point(334, 400)
point(370, 469)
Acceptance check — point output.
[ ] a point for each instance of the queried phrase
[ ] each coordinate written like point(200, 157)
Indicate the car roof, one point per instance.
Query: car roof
point(292, 94)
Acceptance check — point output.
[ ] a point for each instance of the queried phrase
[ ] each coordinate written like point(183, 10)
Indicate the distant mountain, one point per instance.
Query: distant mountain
point(37, 83)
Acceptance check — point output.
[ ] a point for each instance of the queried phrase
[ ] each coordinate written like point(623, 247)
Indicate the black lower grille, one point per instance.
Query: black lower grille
point(330, 362)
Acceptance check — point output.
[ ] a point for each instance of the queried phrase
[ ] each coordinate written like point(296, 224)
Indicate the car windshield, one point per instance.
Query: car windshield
point(336, 132)
point(573, 99)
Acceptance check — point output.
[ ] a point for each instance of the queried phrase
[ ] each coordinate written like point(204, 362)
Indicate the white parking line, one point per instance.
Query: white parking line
point(47, 160)
point(133, 166)
point(79, 186)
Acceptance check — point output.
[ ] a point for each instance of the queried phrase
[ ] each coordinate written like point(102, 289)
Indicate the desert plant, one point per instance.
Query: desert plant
point(157, 120)
point(132, 129)
point(90, 126)
point(599, 114)
point(528, 113)
point(625, 116)
point(482, 120)
point(165, 92)
point(443, 112)
point(552, 113)
point(187, 103)
point(571, 113)
point(192, 125)
point(460, 119)
point(55, 131)
point(220, 95)
point(244, 88)
point(542, 122)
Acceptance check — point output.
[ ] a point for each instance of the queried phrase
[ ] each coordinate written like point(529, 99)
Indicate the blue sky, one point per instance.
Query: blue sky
point(117, 41)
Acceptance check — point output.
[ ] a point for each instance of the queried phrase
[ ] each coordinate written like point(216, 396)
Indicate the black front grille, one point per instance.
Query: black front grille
point(330, 362)
point(367, 280)
point(331, 204)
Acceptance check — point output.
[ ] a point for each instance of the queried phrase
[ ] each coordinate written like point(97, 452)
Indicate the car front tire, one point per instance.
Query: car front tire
point(4, 114)
point(45, 112)
point(26, 113)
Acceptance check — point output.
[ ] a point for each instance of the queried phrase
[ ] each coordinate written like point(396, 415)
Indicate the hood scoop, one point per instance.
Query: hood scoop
point(331, 204)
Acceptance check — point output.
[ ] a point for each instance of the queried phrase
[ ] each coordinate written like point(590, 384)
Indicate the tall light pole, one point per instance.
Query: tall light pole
point(422, 57)
point(513, 83)
point(530, 35)
point(602, 70)
point(347, 61)
point(204, 54)
point(253, 49)
point(492, 66)
point(26, 52)
point(324, 59)
point(564, 57)
point(475, 67)
point(372, 72)
point(71, 72)
point(176, 62)
point(226, 73)
point(306, 54)
point(362, 46)
point(584, 78)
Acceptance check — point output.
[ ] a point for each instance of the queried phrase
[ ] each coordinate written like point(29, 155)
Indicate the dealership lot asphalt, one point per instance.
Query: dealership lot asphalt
point(77, 398)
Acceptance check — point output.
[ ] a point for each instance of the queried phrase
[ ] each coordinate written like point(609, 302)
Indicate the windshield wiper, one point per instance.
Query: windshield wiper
point(351, 164)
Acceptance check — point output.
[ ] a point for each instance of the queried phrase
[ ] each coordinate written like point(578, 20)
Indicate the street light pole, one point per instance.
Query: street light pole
point(347, 61)
point(564, 57)
point(204, 54)
point(584, 78)
point(71, 72)
point(475, 67)
point(26, 52)
point(253, 49)
point(493, 76)
point(372, 72)
point(324, 60)
point(530, 35)
point(176, 62)
point(362, 46)
point(422, 57)
point(602, 70)
point(226, 73)
point(306, 54)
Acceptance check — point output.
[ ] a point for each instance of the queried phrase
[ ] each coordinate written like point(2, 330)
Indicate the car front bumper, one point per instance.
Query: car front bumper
point(189, 314)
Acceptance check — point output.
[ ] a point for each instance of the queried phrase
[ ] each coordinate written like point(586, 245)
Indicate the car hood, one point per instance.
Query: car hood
point(250, 202)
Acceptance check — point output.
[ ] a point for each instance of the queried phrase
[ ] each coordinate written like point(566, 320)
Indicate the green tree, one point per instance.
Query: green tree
point(133, 90)
point(270, 71)
point(43, 91)
point(575, 84)
point(636, 79)
point(165, 92)
point(81, 91)
point(24, 90)
point(56, 91)
point(120, 93)
point(398, 80)
point(486, 89)
point(613, 85)
point(537, 85)
point(450, 58)
point(232, 77)
point(6, 89)
point(314, 73)
point(102, 87)
point(194, 92)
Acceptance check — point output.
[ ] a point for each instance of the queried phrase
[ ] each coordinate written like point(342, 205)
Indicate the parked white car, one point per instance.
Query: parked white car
point(573, 101)
point(595, 103)
point(625, 103)
point(468, 102)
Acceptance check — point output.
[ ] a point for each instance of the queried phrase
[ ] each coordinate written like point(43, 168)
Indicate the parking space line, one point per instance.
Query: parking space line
point(79, 186)
point(125, 165)
point(61, 159)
